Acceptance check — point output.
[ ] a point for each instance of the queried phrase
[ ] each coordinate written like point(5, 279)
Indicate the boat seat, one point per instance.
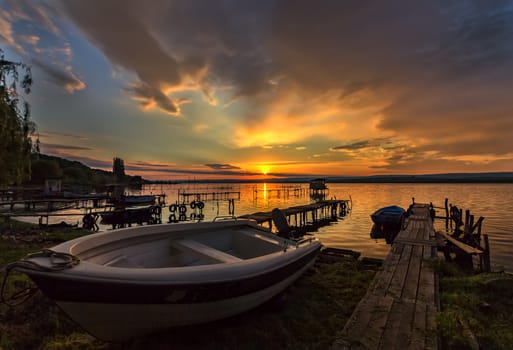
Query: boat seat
point(281, 223)
point(205, 250)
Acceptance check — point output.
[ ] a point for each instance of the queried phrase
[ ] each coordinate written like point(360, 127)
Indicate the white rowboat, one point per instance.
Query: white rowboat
point(134, 281)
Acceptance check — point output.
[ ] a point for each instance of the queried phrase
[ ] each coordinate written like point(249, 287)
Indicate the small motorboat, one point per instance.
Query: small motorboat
point(388, 216)
point(138, 200)
point(122, 217)
point(125, 283)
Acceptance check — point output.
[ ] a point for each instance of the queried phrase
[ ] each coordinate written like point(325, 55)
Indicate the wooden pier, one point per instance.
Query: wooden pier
point(52, 204)
point(305, 214)
point(285, 191)
point(186, 197)
point(398, 311)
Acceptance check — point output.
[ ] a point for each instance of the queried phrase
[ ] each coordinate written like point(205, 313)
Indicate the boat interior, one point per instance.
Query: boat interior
point(175, 249)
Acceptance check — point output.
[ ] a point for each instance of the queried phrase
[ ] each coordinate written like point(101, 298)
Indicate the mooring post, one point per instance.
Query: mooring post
point(467, 220)
point(486, 253)
point(446, 214)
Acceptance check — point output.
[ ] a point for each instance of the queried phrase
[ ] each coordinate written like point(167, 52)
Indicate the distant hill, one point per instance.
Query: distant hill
point(499, 177)
point(496, 177)
point(75, 176)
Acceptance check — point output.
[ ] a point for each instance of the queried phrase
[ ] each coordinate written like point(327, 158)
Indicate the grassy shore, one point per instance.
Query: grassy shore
point(477, 310)
point(306, 316)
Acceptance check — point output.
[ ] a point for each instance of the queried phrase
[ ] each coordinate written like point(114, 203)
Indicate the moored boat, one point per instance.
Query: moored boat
point(138, 200)
point(130, 282)
point(122, 217)
point(391, 215)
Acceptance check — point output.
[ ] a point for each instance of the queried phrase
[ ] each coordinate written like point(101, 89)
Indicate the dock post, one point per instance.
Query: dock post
point(467, 221)
point(446, 214)
point(486, 253)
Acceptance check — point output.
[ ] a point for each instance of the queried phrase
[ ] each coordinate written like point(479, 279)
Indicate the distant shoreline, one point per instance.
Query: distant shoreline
point(497, 178)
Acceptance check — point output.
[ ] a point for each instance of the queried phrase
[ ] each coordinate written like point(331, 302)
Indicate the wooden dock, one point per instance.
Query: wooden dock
point(398, 311)
point(305, 214)
point(186, 197)
point(285, 191)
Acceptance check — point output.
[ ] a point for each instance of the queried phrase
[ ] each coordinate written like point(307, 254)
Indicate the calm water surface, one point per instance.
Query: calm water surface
point(493, 201)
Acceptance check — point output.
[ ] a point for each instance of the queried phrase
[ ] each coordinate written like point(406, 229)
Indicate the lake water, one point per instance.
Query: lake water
point(492, 201)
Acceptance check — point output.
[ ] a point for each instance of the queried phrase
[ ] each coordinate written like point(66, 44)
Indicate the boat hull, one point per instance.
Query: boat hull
point(207, 272)
point(391, 215)
point(119, 322)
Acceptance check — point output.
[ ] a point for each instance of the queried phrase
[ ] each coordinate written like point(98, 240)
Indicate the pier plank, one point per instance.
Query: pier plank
point(398, 280)
point(396, 334)
point(412, 284)
point(418, 334)
point(398, 311)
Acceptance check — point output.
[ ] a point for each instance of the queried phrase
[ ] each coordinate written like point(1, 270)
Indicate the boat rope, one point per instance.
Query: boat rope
point(58, 262)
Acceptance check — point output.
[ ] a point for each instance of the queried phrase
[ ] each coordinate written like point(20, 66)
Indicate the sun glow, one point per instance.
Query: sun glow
point(264, 169)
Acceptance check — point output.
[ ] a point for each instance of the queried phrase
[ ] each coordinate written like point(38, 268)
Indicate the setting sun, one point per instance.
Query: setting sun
point(264, 169)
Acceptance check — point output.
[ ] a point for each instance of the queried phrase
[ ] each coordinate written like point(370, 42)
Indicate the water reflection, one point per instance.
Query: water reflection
point(492, 201)
point(388, 233)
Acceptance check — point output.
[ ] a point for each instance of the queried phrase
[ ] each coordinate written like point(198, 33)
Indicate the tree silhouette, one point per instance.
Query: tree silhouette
point(118, 168)
point(16, 128)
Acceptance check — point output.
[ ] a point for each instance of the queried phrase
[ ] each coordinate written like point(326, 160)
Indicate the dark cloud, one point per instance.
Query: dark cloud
point(117, 28)
point(51, 147)
point(35, 12)
point(188, 171)
point(150, 164)
point(477, 38)
point(149, 95)
point(213, 43)
point(352, 146)
point(53, 133)
point(381, 142)
point(222, 166)
point(62, 77)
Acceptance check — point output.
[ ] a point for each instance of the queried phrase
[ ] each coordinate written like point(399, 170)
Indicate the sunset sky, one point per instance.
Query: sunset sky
point(237, 89)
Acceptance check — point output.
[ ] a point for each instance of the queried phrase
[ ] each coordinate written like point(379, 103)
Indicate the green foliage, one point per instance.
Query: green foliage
point(15, 125)
point(477, 309)
point(74, 341)
point(24, 326)
point(76, 177)
point(43, 169)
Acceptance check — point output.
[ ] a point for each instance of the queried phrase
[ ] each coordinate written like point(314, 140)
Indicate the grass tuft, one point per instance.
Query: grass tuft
point(477, 310)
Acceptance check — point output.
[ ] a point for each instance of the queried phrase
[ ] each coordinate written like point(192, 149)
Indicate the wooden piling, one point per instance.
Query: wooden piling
point(446, 213)
point(486, 255)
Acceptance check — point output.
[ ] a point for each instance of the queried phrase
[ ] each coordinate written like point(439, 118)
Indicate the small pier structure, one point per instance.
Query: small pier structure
point(305, 214)
point(90, 207)
point(204, 196)
point(398, 311)
point(466, 241)
point(318, 188)
point(284, 191)
point(27, 207)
